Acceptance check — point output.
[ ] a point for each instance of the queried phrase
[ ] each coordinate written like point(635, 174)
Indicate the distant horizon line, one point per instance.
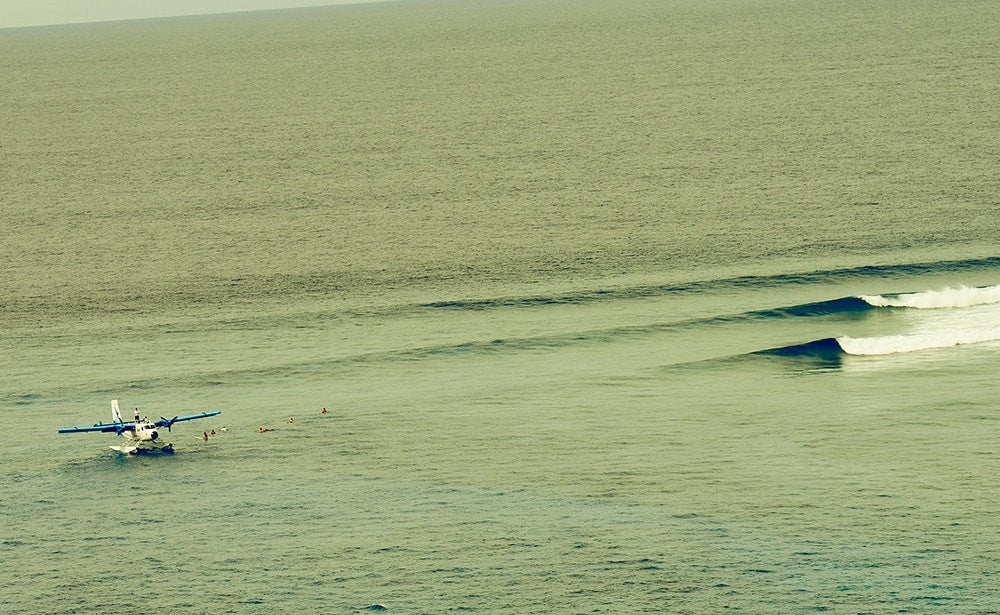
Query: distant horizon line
point(73, 22)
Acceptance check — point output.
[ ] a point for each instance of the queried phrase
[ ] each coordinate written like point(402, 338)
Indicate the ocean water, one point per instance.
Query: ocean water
point(614, 306)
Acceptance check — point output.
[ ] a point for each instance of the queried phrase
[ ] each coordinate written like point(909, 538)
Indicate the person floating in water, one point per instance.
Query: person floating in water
point(324, 411)
point(291, 420)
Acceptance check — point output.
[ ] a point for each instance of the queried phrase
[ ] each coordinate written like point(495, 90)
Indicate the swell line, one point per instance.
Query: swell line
point(464, 348)
point(755, 281)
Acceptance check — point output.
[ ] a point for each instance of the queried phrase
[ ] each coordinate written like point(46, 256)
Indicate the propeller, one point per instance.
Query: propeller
point(169, 422)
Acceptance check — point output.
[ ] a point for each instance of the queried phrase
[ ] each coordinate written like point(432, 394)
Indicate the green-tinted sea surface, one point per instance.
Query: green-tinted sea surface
point(615, 306)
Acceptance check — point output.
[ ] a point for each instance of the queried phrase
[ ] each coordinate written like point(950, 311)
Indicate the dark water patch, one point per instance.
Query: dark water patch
point(849, 307)
point(844, 305)
point(150, 520)
point(26, 399)
point(486, 304)
point(827, 349)
point(933, 599)
point(816, 356)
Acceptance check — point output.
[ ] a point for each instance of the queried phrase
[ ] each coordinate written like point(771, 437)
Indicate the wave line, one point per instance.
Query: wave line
point(701, 286)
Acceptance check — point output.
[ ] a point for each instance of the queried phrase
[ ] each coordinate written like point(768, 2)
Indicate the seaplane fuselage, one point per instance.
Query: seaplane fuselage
point(144, 432)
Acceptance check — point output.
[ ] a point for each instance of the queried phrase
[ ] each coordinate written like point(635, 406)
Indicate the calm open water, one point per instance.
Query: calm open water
point(615, 307)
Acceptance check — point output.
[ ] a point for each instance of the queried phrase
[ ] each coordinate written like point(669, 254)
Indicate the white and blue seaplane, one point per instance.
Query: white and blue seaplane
point(143, 435)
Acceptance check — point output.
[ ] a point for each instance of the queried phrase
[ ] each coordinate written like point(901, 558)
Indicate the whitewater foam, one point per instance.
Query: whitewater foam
point(910, 343)
point(962, 296)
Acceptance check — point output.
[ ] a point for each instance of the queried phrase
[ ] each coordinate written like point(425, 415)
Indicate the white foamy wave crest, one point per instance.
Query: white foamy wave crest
point(962, 296)
point(909, 343)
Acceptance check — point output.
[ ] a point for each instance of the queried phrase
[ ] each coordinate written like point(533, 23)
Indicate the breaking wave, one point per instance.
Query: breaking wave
point(828, 348)
point(893, 344)
point(962, 296)
point(949, 317)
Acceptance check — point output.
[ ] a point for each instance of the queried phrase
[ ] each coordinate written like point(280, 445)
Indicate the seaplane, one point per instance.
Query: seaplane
point(142, 435)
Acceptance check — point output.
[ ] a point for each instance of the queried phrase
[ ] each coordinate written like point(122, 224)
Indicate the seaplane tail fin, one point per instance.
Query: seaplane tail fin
point(116, 414)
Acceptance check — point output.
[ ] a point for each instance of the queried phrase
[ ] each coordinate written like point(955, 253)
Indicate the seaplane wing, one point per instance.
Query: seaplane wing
point(109, 427)
point(143, 435)
point(165, 422)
